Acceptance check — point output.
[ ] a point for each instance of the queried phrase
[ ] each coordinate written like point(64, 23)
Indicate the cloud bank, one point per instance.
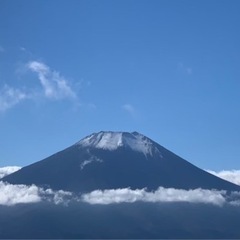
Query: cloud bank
point(231, 176)
point(161, 195)
point(4, 171)
point(12, 194)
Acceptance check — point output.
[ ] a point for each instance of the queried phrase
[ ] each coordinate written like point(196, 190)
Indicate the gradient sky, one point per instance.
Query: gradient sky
point(167, 69)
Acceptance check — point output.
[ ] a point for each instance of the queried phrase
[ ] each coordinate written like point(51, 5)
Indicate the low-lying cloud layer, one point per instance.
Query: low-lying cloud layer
point(231, 176)
point(15, 194)
point(160, 195)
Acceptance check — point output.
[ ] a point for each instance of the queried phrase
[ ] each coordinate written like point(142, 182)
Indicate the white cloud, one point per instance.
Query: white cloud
point(15, 194)
point(54, 85)
point(57, 197)
point(230, 175)
point(2, 49)
point(234, 199)
point(129, 108)
point(9, 97)
point(161, 195)
point(4, 171)
point(11, 194)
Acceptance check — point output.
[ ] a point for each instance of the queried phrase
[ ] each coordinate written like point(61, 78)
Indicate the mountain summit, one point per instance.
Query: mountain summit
point(114, 140)
point(111, 160)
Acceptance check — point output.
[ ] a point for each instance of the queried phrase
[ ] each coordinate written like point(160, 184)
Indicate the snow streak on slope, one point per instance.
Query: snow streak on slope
point(92, 159)
point(114, 140)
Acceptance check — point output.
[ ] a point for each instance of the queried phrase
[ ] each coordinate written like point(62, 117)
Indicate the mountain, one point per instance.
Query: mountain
point(111, 160)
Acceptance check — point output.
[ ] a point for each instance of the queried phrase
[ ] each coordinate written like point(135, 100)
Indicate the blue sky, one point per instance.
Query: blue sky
point(168, 69)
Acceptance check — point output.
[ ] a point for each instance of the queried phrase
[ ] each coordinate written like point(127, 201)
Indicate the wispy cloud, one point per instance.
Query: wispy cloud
point(9, 97)
point(189, 70)
point(129, 108)
point(235, 199)
point(4, 171)
point(230, 175)
point(1, 49)
point(54, 85)
point(185, 69)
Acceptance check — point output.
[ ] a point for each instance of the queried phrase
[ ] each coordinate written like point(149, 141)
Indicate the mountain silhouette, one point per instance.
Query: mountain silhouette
point(111, 160)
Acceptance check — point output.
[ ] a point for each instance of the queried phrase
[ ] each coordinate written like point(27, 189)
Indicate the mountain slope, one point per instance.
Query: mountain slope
point(110, 160)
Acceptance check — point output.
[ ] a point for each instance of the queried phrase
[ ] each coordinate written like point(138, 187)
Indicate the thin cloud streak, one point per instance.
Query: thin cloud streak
point(9, 97)
point(185, 69)
point(129, 108)
point(54, 85)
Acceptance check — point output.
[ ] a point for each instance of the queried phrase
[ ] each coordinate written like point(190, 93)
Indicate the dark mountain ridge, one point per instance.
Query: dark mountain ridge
point(111, 160)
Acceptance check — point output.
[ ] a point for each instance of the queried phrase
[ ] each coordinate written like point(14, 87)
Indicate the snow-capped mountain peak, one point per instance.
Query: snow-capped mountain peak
point(114, 140)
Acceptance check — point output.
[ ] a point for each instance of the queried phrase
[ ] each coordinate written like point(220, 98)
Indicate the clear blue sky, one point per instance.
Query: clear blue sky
point(168, 69)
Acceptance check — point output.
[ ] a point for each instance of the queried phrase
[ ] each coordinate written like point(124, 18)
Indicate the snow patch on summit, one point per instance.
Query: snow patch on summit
point(113, 140)
point(107, 140)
